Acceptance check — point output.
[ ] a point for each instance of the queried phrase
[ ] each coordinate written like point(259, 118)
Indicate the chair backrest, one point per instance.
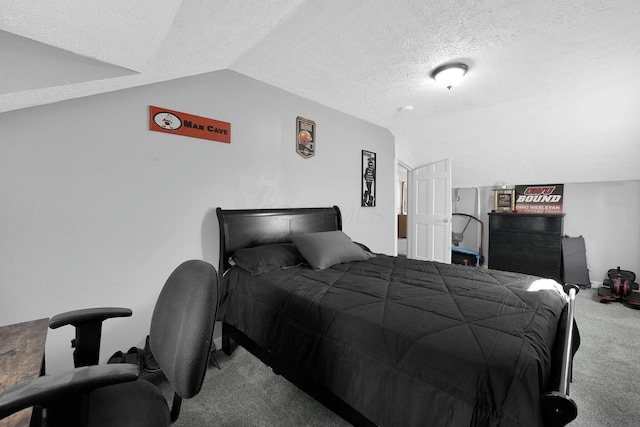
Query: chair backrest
point(182, 325)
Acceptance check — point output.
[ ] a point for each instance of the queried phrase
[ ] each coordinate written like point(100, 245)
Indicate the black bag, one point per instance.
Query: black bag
point(150, 363)
point(143, 357)
point(133, 356)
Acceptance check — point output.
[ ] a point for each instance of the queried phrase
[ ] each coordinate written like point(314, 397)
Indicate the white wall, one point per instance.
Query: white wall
point(97, 210)
point(605, 214)
point(565, 137)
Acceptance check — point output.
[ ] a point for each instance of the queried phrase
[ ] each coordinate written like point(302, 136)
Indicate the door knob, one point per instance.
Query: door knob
point(446, 220)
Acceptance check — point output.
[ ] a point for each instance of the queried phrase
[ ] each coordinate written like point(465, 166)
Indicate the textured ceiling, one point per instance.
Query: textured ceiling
point(551, 84)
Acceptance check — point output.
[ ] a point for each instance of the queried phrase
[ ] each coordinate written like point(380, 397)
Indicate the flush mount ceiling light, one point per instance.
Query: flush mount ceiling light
point(449, 75)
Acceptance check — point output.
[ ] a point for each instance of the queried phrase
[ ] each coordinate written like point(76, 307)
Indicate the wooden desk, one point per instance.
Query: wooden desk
point(21, 358)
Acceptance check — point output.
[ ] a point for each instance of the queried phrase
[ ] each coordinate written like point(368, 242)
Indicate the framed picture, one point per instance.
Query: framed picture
point(368, 179)
point(504, 200)
point(305, 137)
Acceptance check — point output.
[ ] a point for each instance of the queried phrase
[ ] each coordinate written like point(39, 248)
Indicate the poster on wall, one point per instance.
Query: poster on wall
point(539, 199)
point(178, 123)
point(305, 137)
point(368, 179)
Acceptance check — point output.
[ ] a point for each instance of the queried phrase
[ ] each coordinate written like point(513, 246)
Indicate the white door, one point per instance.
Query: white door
point(429, 212)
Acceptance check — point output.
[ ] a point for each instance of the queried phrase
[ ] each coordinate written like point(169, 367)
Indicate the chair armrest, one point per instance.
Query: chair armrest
point(63, 385)
point(88, 324)
point(76, 317)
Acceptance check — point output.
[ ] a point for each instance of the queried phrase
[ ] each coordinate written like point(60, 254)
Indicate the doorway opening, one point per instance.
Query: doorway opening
point(401, 207)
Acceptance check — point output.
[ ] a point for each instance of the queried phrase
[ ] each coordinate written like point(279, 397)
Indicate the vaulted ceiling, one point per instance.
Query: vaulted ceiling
point(552, 88)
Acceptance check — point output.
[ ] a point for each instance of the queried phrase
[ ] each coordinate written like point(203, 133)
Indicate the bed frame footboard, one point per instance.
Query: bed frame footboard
point(559, 409)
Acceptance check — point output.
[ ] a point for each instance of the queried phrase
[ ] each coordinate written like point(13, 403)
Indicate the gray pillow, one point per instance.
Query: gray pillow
point(262, 259)
point(327, 248)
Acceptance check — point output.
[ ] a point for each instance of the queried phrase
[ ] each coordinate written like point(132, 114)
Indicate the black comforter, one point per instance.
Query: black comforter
point(408, 343)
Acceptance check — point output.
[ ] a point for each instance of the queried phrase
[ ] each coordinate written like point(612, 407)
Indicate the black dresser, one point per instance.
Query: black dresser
point(526, 243)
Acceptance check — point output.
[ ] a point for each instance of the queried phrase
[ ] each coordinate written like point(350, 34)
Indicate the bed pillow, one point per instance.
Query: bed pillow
point(327, 248)
point(262, 259)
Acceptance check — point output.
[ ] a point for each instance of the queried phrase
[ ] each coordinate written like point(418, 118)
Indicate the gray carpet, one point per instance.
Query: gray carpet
point(606, 375)
point(606, 381)
point(245, 392)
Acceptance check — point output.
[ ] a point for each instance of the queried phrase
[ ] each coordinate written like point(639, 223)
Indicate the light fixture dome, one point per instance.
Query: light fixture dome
point(450, 74)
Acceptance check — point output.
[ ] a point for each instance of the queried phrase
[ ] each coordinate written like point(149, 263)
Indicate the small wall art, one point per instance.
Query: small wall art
point(305, 137)
point(368, 191)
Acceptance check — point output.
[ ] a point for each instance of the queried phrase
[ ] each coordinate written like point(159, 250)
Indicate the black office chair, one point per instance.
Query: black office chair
point(109, 395)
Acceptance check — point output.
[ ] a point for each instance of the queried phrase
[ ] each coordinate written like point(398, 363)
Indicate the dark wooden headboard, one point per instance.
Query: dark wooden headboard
point(246, 228)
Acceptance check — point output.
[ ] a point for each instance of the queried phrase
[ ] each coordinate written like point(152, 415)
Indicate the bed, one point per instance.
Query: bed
point(391, 341)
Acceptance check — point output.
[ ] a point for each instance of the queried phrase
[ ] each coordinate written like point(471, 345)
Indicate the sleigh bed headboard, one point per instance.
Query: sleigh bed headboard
point(246, 228)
